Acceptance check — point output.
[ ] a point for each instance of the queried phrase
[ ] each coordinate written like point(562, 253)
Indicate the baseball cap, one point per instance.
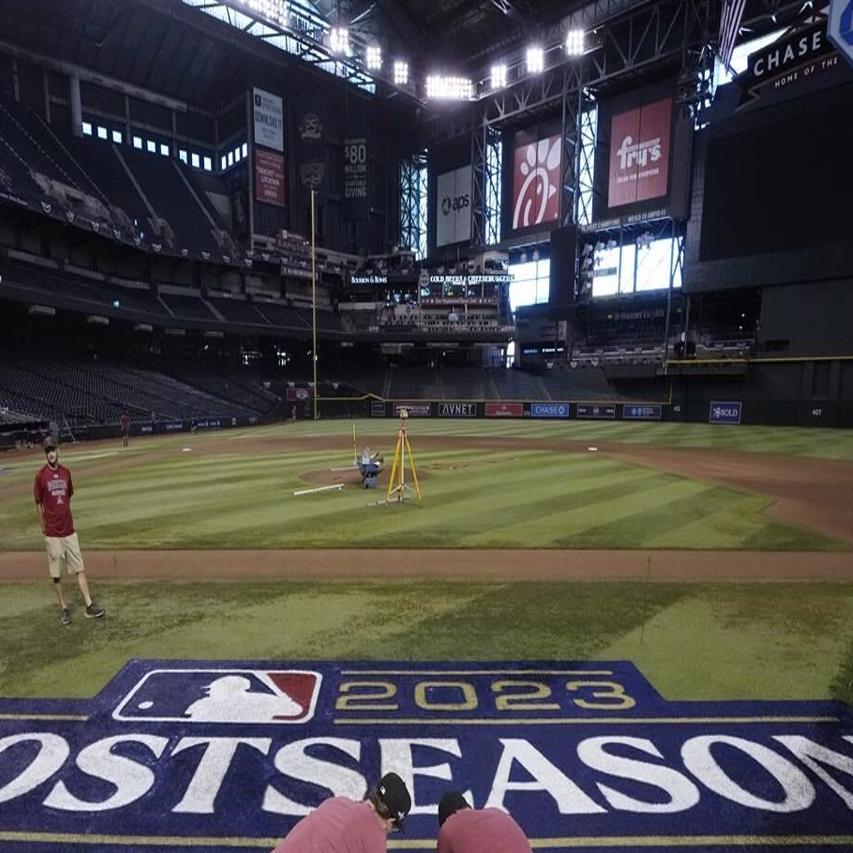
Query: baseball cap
point(50, 443)
point(451, 802)
point(395, 797)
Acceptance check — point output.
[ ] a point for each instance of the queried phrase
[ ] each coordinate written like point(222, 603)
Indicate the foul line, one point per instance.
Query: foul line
point(572, 721)
point(65, 718)
point(429, 844)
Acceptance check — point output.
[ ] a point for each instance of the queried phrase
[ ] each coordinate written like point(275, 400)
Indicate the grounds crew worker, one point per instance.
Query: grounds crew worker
point(52, 491)
point(466, 830)
point(341, 825)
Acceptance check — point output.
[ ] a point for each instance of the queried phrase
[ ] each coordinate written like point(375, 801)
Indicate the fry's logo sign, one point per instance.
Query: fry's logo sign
point(231, 755)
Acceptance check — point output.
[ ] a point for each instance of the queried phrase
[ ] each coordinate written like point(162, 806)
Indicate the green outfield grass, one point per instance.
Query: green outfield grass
point(221, 496)
point(693, 641)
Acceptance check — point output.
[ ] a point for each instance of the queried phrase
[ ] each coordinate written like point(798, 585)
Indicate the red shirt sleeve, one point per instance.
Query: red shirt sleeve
point(37, 489)
point(70, 485)
point(443, 844)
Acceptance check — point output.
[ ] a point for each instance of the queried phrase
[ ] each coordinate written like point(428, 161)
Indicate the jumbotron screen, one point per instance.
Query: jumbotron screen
point(780, 181)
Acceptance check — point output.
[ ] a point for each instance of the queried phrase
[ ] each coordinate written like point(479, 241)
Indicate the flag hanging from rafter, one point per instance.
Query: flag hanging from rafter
point(730, 19)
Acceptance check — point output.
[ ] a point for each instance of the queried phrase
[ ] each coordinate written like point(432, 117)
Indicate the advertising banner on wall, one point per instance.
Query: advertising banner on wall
point(269, 177)
point(536, 183)
point(594, 411)
point(355, 177)
point(504, 410)
point(453, 206)
point(549, 410)
point(639, 153)
point(648, 412)
point(269, 120)
point(725, 412)
point(415, 410)
point(457, 410)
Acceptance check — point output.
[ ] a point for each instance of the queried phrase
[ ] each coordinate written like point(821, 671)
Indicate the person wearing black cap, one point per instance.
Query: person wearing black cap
point(342, 825)
point(466, 830)
point(52, 491)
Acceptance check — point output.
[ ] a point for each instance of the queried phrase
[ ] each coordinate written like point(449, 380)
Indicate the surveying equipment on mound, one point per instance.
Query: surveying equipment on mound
point(398, 489)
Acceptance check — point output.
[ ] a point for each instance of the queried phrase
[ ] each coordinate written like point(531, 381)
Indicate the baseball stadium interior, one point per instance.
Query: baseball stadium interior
point(203, 203)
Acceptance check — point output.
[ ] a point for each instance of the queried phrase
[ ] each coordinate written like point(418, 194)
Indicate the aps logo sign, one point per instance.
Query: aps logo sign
point(230, 755)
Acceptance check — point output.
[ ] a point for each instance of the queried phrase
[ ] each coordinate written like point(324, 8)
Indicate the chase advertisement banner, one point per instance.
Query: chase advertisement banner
point(226, 756)
point(549, 410)
point(801, 62)
point(725, 412)
point(453, 206)
point(268, 119)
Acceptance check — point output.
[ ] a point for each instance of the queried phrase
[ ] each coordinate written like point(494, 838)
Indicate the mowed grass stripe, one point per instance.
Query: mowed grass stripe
point(565, 528)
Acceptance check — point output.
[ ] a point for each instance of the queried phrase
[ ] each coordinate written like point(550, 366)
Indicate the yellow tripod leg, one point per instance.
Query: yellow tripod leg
point(392, 485)
point(412, 467)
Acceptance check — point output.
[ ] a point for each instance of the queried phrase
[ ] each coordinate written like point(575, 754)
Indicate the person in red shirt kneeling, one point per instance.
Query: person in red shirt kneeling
point(342, 825)
point(466, 830)
point(52, 491)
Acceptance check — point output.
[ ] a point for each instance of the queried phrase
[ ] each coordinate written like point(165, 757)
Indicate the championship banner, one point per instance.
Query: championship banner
point(269, 177)
point(268, 119)
point(504, 410)
point(596, 411)
point(230, 755)
point(549, 410)
point(725, 412)
point(453, 206)
point(536, 183)
point(355, 177)
point(639, 153)
point(652, 412)
point(457, 410)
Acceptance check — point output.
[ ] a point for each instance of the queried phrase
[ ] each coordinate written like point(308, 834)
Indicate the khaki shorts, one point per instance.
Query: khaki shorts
point(64, 550)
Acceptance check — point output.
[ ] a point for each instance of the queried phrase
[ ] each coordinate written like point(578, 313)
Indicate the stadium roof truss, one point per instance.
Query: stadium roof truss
point(293, 26)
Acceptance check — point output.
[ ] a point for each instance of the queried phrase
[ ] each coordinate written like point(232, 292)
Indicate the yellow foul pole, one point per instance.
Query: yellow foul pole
point(314, 297)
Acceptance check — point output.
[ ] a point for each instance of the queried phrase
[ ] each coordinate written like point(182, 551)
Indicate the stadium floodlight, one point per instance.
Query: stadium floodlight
point(449, 88)
point(498, 76)
point(374, 57)
point(535, 60)
point(339, 40)
point(574, 43)
point(401, 73)
point(272, 10)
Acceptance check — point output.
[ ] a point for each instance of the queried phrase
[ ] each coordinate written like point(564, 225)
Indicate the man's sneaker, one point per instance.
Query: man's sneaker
point(94, 611)
point(65, 616)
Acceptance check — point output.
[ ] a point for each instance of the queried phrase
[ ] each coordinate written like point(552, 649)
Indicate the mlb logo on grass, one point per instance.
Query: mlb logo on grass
point(225, 696)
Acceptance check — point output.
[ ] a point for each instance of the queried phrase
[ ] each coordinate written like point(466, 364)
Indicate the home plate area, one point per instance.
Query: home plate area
point(219, 755)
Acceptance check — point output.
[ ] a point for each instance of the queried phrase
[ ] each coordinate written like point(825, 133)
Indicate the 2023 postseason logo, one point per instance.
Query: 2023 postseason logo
point(227, 756)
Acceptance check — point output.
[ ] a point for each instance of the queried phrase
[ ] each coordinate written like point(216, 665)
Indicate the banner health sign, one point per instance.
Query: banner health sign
point(504, 410)
point(725, 412)
point(549, 410)
point(230, 755)
point(646, 412)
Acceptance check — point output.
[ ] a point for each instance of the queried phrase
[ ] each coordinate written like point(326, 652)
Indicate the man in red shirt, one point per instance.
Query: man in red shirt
point(341, 825)
point(52, 491)
point(466, 830)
